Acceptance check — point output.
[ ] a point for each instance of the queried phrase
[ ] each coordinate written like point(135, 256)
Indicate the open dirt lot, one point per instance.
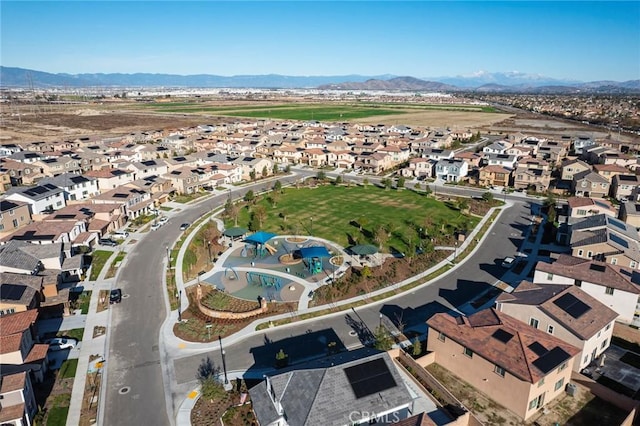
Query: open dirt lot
point(452, 119)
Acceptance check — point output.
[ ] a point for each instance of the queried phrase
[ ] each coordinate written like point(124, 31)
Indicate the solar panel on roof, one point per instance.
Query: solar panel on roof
point(538, 349)
point(618, 224)
point(502, 335)
point(572, 305)
point(551, 360)
point(600, 204)
point(120, 195)
point(11, 291)
point(369, 378)
point(618, 240)
point(597, 268)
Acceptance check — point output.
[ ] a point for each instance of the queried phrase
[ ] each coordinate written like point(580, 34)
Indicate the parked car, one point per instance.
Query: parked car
point(115, 296)
point(156, 226)
point(508, 262)
point(184, 226)
point(120, 235)
point(61, 343)
point(107, 242)
point(163, 220)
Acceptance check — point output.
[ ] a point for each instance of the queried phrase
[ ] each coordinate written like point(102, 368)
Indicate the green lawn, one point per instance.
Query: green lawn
point(68, 368)
point(98, 260)
point(350, 215)
point(75, 333)
point(57, 416)
point(114, 265)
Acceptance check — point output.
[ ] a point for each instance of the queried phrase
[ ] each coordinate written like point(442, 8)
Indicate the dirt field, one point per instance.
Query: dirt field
point(452, 119)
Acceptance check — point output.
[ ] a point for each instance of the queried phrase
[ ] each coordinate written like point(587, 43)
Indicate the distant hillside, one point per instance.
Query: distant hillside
point(397, 83)
point(513, 82)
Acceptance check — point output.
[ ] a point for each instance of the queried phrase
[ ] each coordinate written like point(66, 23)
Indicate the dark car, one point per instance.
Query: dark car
point(184, 226)
point(115, 296)
point(107, 242)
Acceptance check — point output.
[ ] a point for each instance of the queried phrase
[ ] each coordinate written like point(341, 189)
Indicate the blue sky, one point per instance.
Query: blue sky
point(576, 40)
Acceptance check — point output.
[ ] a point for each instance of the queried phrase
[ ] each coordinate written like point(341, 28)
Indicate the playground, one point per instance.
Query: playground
point(274, 268)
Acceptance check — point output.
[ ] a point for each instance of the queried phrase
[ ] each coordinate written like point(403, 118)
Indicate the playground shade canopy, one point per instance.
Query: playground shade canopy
point(363, 249)
point(234, 232)
point(311, 252)
point(260, 237)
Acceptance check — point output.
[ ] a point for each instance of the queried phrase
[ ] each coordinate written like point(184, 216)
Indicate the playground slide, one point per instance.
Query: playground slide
point(271, 249)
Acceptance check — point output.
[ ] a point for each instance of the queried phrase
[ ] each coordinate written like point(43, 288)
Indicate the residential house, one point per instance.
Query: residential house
point(17, 401)
point(135, 202)
point(49, 232)
point(624, 186)
point(573, 167)
point(608, 171)
point(518, 366)
point(436, 154)
point(607, 239)
point(581, 207)
point(5, 180)
point(418, 167)
point(565, 311)
point(579, 144)
point(533, 174)
point(612, 286)
point(13, 215)
point(41, 198)
point(187, 180)
point(315, 157)
point(21, 173)
point(498, 147)
point(471, 158)
point(76, 187)
point(109, 179)
point(502, 160)
point(18, 348)
point(552, 152)
point(520, 151)
point(451, 170)
point(100, 218)
point(8, 149)
point(630, 213)
point(26, 157)
point(19, 292)
point(359, 392)
point(373, 162)
point(589, 184)
point(148, 168)
point(251, 165)
point(494, 176)
point(58, 165)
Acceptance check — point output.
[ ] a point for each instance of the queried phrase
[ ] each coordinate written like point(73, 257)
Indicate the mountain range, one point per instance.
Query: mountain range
point(479, 82)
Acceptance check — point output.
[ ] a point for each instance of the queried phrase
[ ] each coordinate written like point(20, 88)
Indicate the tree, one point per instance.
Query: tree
point(282, 359)
point(275, 169)
point(386, 182)
point(209, 377)
point(287, 168)
point(265, 172)
point(400, 182)
point(277, 186)
point(384, 340)
point(260, 214)
point(381, 236)
point(487, 196)
point(417, 347)
point(249, 196)
point(231, 211)
point(274, 196)
point(365, 182)
point(321, 176)
point(252, 174)
point(338, 180)
point(463, 205)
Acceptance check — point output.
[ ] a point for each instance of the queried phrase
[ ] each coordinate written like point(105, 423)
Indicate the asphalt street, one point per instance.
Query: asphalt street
point(141, 380)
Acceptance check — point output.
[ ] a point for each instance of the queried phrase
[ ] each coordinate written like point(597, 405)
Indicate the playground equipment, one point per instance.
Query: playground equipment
point(313, 258)
point(272, 250)
point(228, 270)
point(264, 280)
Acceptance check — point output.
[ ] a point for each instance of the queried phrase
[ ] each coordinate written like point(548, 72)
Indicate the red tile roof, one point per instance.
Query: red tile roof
point(477, 333)
point(17, 322)
point(12, 382)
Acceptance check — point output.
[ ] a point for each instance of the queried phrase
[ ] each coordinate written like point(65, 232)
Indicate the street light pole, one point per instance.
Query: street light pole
point(224, 362)
point(209, 250)
point(311, 228)
point(179, 306)
point(455, 253)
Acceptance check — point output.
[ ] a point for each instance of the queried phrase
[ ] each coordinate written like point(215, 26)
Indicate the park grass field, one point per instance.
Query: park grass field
point(350, 215)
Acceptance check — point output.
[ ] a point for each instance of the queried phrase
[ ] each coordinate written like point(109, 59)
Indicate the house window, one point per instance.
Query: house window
point(614, 261)
point(550, 277)
point(498, 370)
point(541, 382)
point(12, 212)
point(608, 326)
point(441, 336)
point(468, 352)
point(609, 291)
point(604, 343)
point(578, 283)
point(550, 329)
point(562, 367)
point(580, 253)
point(558, 384)
point(1, 227)
point(582, 212)
point(534, 322)
point(589, 254)
point(15, 223)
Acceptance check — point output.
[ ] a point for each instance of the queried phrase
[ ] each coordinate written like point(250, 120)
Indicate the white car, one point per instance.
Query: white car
point(163, 220)
point(61, 343)
point(120, 235)
point(156, 226)
point(508, 262)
